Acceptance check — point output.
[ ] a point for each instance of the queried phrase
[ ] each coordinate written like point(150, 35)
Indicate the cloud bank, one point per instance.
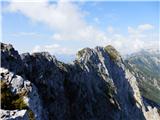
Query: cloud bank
point(68, 23)
point(54, 48)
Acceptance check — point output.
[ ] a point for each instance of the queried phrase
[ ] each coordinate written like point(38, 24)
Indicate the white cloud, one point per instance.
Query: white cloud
point(139, 31)
point(56, 36)
point(54, 49)
point(37, 48)
point(68, 23)
point(96, 20)
point(136, 39)
point(29, 0)
point(63, 17)
point(145, 27)
point(54, 46)
point(110, 29)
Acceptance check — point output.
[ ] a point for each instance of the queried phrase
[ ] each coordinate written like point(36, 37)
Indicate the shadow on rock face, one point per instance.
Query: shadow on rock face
point(95, 87)
point(125, 93)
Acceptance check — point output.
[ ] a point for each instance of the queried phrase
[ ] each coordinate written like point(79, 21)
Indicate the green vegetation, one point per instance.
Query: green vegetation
point(147, 72)
point(146, 65)
point(10, 101)
point(81, 52)
point(112, 52)
point(149, 91)
point(31, 114)
point(19, 103)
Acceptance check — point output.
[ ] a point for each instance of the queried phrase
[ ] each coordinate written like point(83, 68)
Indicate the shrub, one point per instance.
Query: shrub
point(5, 96)
point(81, 52)
point(10, 101)
point(30, 114)
point(112, 52)
point(19, 103)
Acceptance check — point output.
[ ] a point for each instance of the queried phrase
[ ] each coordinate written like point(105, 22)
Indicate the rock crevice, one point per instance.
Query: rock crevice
point(96, 86)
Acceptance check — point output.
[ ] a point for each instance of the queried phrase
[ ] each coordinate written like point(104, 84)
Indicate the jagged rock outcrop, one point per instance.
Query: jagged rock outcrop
point(19, 94)
point(145, 65)
point(11, 59)
point(14, 115)
point(96, 86)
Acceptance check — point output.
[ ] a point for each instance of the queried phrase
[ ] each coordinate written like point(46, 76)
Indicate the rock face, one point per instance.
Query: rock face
point(27, 92)
point(145, 65)
point(14, 115)
point(97, 86)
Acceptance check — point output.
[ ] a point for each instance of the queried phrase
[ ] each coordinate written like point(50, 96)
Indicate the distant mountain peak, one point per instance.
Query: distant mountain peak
point(153, 50)
point(146, 67)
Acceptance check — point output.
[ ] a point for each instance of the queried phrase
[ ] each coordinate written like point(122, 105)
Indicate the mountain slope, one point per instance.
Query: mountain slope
point(97, 86)
point(145, 65)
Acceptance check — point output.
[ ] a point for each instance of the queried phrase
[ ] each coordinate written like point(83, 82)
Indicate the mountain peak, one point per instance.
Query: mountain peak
point(6, 46)
point(113, 53)
point(45, 55)
point(110, 50)
point(83, 51)
point(95, 87)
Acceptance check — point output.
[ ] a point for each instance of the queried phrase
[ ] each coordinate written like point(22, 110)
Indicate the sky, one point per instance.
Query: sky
point(64, 27)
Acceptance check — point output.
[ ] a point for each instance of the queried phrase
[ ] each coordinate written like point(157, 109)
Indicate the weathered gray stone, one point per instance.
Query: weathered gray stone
point(96, 86)
point(13, 115)
point(18, 85)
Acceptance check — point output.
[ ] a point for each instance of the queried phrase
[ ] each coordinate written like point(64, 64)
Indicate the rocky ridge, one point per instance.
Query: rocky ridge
point(97, 86)
point(145, 65)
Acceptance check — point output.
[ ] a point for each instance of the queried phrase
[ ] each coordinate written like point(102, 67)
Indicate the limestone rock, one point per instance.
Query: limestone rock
point(96, 86)
point(13, 115)
point(24, 88)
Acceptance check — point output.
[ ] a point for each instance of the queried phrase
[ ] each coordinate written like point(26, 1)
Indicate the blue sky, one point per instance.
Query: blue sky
point(64, 28)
